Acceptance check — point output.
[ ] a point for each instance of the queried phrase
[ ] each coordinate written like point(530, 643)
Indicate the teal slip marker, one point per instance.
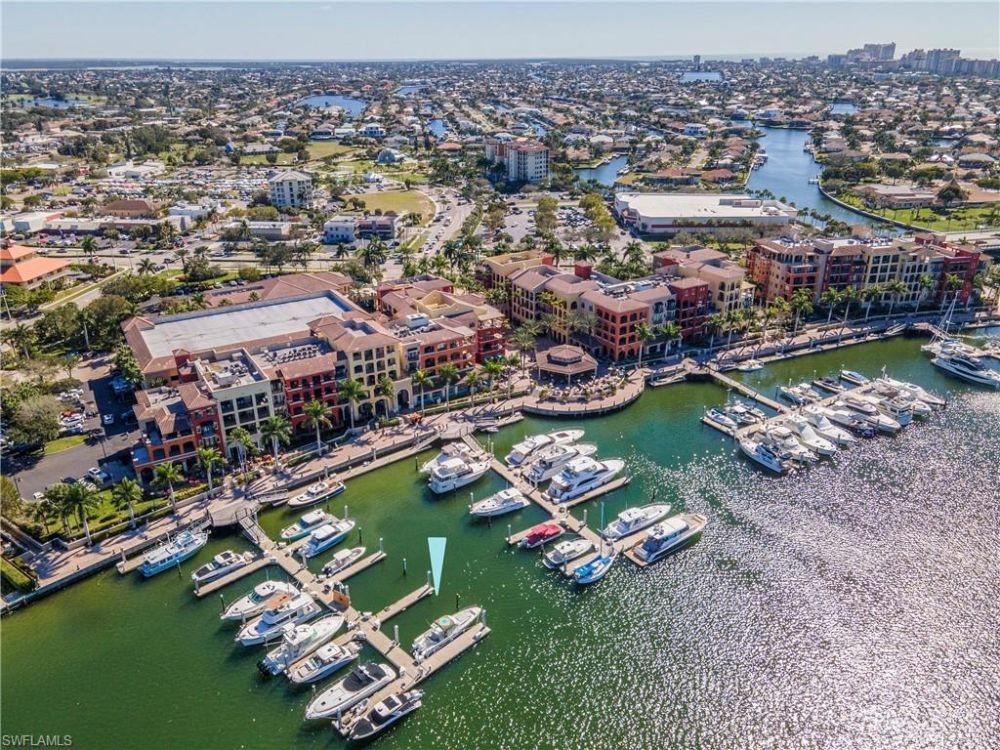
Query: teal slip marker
point(436, 545)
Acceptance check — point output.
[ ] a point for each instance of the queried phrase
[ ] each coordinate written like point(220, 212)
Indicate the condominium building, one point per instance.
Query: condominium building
point(524, 160)
point(291, 189)
point(724, 277)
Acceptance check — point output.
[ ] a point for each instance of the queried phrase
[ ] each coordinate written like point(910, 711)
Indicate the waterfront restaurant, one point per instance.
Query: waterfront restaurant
point(566, 361)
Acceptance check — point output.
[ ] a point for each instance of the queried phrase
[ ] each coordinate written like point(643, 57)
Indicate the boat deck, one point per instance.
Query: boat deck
point(355, 568)
point(219, 583)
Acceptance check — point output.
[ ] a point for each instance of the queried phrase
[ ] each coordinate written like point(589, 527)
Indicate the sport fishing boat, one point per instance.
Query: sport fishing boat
point(851, 420)
point(455, 473)
point(967, 368)
point(632, 520)
point(783, 442)
point(170, 553)
point(828, 384)
point(317, 493)
point(566, 551)
point(444, 631)
point(364, 681)
point(451, 450)
point(520, 452)
point(298, 641)
point(869, 412)
point(763, 455)
point(343, 560)
point(325, 661)
point(325, 537)
point(931, 399)
point(222, 564)
point(306, 525)
point(281, 611)
point(504, 501)
point(853, 377)
point(582, 475)
point(540, 534)
point(596, 569)
point(819, 418)
point(721, 418)
point(670, 535)
point(550, 460)
point(255, 602)
point(385, 713)
point(807, 436)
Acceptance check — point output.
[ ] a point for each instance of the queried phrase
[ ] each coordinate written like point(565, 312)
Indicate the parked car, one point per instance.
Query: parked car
point(108, 419)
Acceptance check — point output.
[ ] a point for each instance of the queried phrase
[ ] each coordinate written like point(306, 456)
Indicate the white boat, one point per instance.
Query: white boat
point(818, 417)
point(763, 455)
point(520, 452)
point(451, 450)
point(317, 493)
point(455, 473)
point(222, 564)
point(632, 520)
point(298, 641)
point(170, 553)
point(722, 419)
point(255, 602)
point(807, 436)
point(385, 713)
point(325, 661)
point(853, 376)
point(831, 385)
point(949, 346)
point(342, 560)
point(738, 411)
point(596, 569)
point(892, 406)
point(851, 420)
point(325, 537)
point(782, 441)
point(550, 460)
point(444, 631)
point(567, 550)
point(281, 611)
point(868, 411)
point(504, 501)
point(969, 369)
point(582, 475)
point(916, 391)
point(306, 525)
point(750, 365)
point(364, 681)
point(920, 409)
point(670, 535)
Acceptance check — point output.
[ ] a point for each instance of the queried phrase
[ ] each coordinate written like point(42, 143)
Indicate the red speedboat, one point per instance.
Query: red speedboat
point(541, 534)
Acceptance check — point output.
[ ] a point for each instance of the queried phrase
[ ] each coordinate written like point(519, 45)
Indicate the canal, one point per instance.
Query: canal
point(606, 173)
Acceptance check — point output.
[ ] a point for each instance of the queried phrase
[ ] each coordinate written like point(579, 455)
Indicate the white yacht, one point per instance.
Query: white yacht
point(722, 419)
point(221, 565)
point(455, 473)
point(549, 461)
point(670, 535)
point(750, 365)
point(582, 475)
point(916, 391)
point(522, 450)
point(799, 394)
point(818, 417)
point(282, 610)
point(298, 641)
point(444, 631)
point(306, 525)
point(763, 455)
point(325, 537)
point(170, 553)
point(853, 377)
point(920, 409)
point(851, 420)
point(504, 501)
point(969, 369)
point(566, 551)
point(632, 520)
point(892, 406)
point(364, 681)
point(868, 411)
point(782, 441)
point(451, 450)
point(317, 493)
point(738, 411)
point(255, 602)
point(343, 560)
point(805, 434)
point(325, 661)
point(385, 713)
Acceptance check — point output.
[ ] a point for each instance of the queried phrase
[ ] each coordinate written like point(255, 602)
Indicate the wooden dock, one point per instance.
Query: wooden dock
point(212, 586)
point(353, 570)
point(746, 390)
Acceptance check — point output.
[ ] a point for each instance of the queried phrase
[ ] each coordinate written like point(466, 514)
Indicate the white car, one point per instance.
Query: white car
point(98, 476)
point(108, 419)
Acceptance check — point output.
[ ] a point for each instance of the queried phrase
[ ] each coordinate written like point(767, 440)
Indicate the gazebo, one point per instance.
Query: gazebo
point(567, 361)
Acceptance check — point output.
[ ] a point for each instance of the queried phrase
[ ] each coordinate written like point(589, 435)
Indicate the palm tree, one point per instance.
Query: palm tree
point(353, 391)
point(55, 495)
point(895, 288)
point(80, 498)
point(643, 334)
point(474, 380)
point(276, 429)
point(89, 246)
point(523, 340)
point(387, 388)
point(801, 303)
point(165, 475)
point(146, 266)
point(926, 283)
point(243, 441)
point(715, 322)
point(126, 494)
point(448, 374)
point(421, 379)
point(20, 336)
point(208, 460)
point(40, 511)
point(494, 369)
point(317, 417)
point(830, 298)
point(671, 331)
point(868, 294)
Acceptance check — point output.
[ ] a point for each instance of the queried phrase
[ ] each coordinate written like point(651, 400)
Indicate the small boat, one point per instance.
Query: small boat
point(581, 476)
point(764, 456)
point(566, 551)
point(455, 473)
point(596, 569)
point(325, 661)
point(750, 365)
point(819, 418)
point(283, 610)
point(828, 384)
point(520, 452)
point(325, 537)
point(317, 493)
point(920, 409)
point(306, 525)
point(968, 368)
point(722, 419)
point(451, 450)
point(222, 564)
point(550, 460)
point(751, 408)
point(170, 553)
point(738, 412)
point(298, 641)
point(255, 602)
point(853, 377)
point(342, 560)
point(385, 713)
point(540, 534)
point(632, 520)
point(443, 631)
point(803, 431)
point(669, 536)
point(504, 501)
point(364, 681)
point(782, 441)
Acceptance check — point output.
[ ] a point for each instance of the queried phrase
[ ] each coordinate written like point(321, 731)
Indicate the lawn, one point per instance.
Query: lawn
point(261, 159)
point(63, 443)
point(400, 201)
point(947, 220)
point(322, 149)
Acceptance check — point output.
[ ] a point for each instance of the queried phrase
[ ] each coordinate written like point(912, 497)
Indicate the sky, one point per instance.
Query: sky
point(478, 29)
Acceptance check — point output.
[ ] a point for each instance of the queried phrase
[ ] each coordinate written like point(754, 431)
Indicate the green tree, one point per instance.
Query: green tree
point(166, 475)
point(11, 505)
point(352, 391)
point(80, 499)
point(278, 431)
point(926, 283)
point(448, 374)
point(89, 247)
point(801, 303)
point(318, 418)
point(671, 332)
point(524, 340)
point(421, 379)
point(125, 495)
point(243, 441)
point(209, 459)
point(643, 333)
point(387, 389)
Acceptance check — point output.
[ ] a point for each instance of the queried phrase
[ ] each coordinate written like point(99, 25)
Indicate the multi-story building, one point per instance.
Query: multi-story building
point(665, 214)
point(23, 267)
point(495, 272)
point(779, 268)
point(291, 189)
point(725, 278)
point(524, 160)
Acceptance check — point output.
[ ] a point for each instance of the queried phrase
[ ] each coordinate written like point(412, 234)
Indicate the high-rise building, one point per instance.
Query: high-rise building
point(291, 189)
point(525, 160)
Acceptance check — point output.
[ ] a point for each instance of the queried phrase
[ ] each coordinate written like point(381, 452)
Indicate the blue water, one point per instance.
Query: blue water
point(696, 76)
point(437, 127)
point(606, 174)
point(409, 90)
point(540, 129)
point(53, 103)
point(843, 108)
point(353, 107)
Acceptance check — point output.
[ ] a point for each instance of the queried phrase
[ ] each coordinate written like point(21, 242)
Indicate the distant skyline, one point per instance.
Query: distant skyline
point(345, 31)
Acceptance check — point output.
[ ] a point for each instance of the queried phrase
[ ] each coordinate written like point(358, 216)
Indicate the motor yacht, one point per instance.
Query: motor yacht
point(670, 535)
point(851, 420)
point(455, 473)
point(306, 525)
point(782, 441)
point(221, 565)
point(920, 409)
point(522, 450)
point(326, 660)
point(596, 569)
point(750, 365)
point(540, 534)
point(818, 417)
point(868, 411)
point(916, 391)
point(567, 550)
point(550, 460)
point(282, 610)
point(853, 377)
point(763, 455)
point(722, 419)
point(504, 501)
point(325, 537)
point(255, 601)
point(632, 520)
point(343, 560)
point(364, 681)
point(967, 368)
point(738, 412)
point(451, 450)
point(298, 641)
point(317, 493)
point(807, 436)
point(581, 475)
point(443, 631)
point(799, 394)
point(895, 407)
point(829, 384)
point(385, 713)
point(170, 553)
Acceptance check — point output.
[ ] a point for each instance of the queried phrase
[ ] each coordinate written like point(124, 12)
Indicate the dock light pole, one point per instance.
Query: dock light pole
point(584, 516)
point(458, 598)
point(345, 513)
point(602, 514)
point(509, 533)
point(361, 535)
point(222, 599)
point(428, 579)
point(404, 566)
point(395, 634)
point(380, 544)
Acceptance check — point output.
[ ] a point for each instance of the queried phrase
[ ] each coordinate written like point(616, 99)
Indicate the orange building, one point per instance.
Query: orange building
point(22, 266)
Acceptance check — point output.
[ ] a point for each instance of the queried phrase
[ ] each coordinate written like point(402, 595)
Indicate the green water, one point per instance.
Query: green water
point(813, 607)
